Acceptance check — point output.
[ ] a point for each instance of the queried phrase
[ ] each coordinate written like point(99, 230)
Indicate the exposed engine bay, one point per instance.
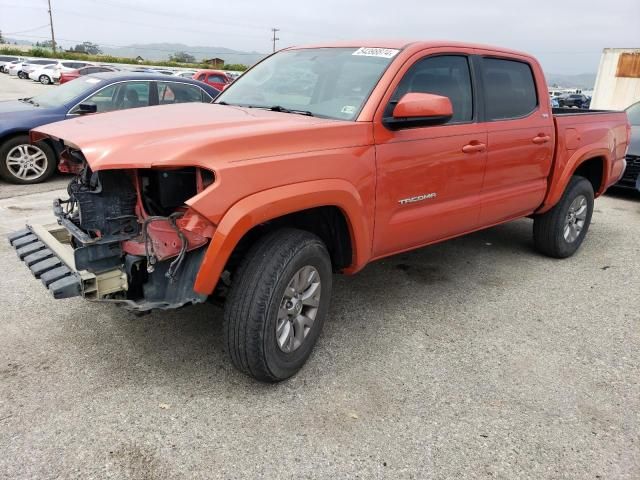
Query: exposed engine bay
point(137, 221)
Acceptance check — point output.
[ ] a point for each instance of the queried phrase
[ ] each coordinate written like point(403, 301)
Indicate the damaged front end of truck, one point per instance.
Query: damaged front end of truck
point(124, 236)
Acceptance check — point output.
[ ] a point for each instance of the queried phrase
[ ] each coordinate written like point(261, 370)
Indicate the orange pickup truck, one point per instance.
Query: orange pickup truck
point(317, 160)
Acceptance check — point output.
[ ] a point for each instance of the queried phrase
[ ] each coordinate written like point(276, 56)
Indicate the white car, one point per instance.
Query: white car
point(15, 68)
point(185, 74)
point(43, 74)
point(64, 66)
point(6, 59)
point(31, 65)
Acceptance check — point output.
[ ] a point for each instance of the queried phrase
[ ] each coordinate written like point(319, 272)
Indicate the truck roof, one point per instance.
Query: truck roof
point(406, 44)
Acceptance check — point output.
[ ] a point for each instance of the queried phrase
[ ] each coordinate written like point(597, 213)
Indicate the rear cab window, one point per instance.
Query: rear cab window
point(509, 89)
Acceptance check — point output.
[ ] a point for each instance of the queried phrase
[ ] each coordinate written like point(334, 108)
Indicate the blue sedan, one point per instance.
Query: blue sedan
point(23, 162)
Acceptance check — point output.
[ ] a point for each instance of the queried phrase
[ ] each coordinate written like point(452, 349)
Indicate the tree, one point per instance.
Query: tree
point(182, 57)
point(88, 47)
point(45, 44)
point(2, 40)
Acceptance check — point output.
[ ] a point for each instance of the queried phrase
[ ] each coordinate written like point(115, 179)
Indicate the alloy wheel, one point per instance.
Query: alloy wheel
point(27, 162)
point(575, 219)
point(298, 309)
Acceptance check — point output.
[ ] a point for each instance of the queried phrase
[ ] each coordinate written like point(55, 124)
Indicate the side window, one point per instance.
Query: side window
point(446, 75)
point(105, 100)
point(134, 95)
point(178, 93)
point(201, 77)
point(509, 89)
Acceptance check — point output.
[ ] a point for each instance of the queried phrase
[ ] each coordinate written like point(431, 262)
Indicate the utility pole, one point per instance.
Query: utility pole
point(53, 38)
point(275, 30)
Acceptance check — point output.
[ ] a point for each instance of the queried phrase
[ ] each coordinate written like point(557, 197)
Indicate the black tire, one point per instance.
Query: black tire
point(549, 228)
point(7, 174)
point(22, 75)
point(251, 311)
point(44, 80)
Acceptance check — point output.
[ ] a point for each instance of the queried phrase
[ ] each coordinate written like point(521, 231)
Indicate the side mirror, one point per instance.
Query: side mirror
point(85, 108)
point(419, 110)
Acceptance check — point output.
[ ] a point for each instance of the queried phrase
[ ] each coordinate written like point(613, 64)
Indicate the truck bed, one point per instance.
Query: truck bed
point(585, 133)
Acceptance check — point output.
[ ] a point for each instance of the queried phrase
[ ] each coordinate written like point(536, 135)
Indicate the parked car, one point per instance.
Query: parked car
point(8, 65)
point(260, 197)
point(573, 100)
point(216, 78)
point(22, 162)
point(80, 72)
point(163, 72)
point(15, 69)
point(185, 74)
point(67, 67)
point(631, 177)
point(5, 59)
point(31, 65)
point(43, 74)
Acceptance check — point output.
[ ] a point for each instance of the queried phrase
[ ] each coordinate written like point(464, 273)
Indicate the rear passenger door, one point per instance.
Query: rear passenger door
point(520, 140)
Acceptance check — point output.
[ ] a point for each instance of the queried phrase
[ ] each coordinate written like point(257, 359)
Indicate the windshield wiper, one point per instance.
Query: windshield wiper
point(278, 108)
point(29, 100)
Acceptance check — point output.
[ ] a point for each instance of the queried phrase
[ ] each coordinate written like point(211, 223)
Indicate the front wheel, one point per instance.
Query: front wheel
point(23, 162)
point(277, 304)
point(22, 75)
point(559, 232)
point(45, 80)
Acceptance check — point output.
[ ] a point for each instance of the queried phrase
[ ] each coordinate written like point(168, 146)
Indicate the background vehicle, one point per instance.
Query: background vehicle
point(22, 162)
point(631, 177)
point(257, 199)
point(554, 102)
point(5, 59)
point(573, 100)
point(185, 74)
point(216, 78)
point(43, 74)
point(31, 65)
point(15, 69)
point(73, 74)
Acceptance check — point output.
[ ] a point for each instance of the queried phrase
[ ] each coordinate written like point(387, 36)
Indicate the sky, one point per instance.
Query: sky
point(567, 36)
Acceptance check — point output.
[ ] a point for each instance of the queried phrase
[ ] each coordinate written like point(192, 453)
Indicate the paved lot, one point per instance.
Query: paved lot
point(476, 358)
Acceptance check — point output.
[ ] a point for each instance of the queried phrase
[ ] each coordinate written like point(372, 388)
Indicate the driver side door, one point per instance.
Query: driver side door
point(430, 178)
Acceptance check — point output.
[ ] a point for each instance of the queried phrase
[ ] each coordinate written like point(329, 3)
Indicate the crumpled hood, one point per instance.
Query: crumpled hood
point(196, 134)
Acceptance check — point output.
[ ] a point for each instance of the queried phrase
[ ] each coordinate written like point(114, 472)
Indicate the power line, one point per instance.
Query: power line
point(26, 31)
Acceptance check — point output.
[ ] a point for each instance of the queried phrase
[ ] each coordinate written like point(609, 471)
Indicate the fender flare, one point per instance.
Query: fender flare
point(580, 156)
point(276, 202)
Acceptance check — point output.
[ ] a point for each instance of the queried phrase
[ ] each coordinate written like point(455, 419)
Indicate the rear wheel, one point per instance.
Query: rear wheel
point(23, 162)
point(22, 75)
point(45, 80)
point(559, 232)
point(277, 305)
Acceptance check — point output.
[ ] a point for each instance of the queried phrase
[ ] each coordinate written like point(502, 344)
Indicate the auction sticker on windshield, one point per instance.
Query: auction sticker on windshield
point(376, 52)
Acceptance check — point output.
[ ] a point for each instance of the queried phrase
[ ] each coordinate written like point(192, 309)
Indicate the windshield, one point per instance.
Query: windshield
point(633, 112)
point(65, 93)
point(323, 82)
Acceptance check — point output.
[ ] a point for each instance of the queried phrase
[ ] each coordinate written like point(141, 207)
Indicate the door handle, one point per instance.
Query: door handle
point(474, 147)
point(540, 139)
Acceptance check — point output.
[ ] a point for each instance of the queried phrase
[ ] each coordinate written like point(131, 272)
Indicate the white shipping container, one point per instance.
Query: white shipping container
point(618, 80)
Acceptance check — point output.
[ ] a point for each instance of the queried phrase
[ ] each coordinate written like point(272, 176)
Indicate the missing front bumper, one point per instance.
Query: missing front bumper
point(48, 253)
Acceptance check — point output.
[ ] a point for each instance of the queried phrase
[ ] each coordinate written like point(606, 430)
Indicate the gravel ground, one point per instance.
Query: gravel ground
point(475, 358)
